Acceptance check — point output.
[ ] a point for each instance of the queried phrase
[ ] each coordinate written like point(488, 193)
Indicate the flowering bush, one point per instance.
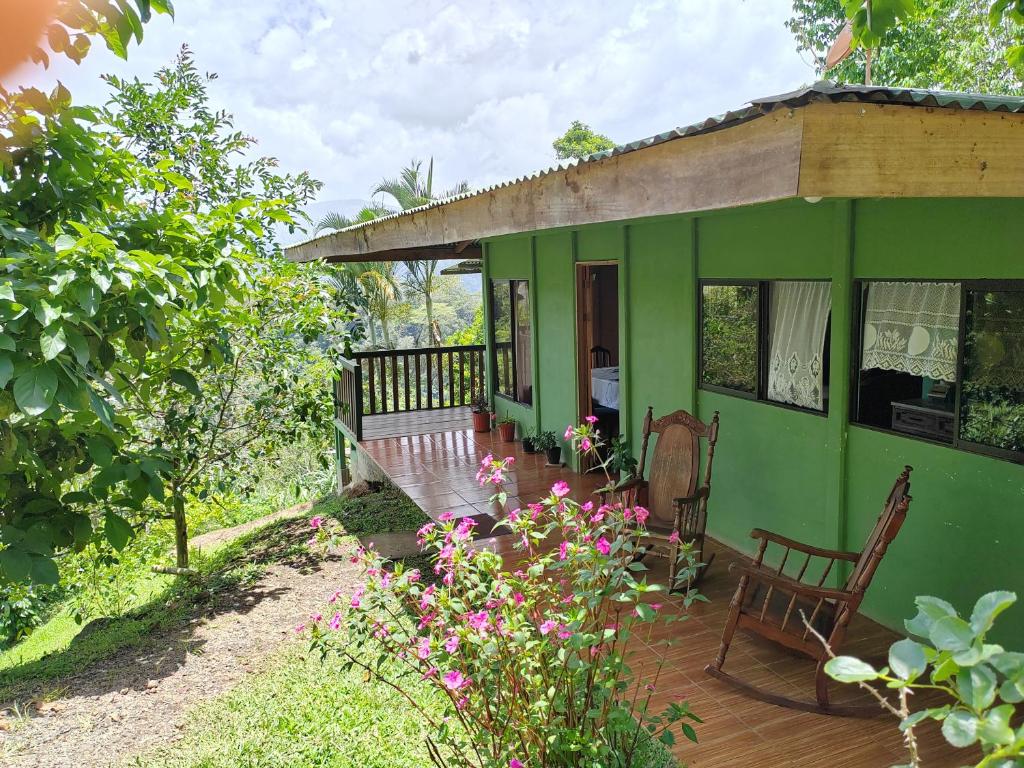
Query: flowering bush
point(530, 657)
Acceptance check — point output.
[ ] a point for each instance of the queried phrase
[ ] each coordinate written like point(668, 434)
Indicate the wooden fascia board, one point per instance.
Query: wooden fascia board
point(874, 150)
point(410, 254)
point(754, 162)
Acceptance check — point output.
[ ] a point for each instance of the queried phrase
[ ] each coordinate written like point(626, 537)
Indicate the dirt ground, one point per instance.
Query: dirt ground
point(138, 698)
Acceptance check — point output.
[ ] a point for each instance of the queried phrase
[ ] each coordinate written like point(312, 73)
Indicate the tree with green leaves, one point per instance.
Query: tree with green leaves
point(579, 141)
point(937, 44)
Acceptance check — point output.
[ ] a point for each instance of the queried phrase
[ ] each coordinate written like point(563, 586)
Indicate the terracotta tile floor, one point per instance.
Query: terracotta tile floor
point(437, 469)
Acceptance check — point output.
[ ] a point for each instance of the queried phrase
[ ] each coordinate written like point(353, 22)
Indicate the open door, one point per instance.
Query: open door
point(597, 339)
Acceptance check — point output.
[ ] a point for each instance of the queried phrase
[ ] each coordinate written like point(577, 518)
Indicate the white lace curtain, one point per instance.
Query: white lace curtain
point(799, 319)
point(912, 327)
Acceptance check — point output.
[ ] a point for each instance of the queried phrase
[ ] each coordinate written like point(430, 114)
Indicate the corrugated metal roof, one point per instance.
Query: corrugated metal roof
point(821, 91)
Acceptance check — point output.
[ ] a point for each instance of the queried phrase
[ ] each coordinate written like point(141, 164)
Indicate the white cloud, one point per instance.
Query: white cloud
point(352, 91)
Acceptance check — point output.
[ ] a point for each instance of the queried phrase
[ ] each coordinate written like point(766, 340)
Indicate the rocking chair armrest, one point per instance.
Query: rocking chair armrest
point(700, 493)
point(760, 533)
point(787, 584)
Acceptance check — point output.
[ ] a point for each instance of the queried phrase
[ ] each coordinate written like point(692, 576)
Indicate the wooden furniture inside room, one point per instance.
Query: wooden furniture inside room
point(600, 357)
point(670, 491)
point(773, 605)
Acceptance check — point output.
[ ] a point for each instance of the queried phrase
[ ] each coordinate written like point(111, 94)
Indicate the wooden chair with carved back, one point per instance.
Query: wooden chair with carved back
point(678, 507)
point(772, 604)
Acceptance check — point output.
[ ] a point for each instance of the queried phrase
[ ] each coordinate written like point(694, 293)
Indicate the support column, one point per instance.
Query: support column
point(840, 355)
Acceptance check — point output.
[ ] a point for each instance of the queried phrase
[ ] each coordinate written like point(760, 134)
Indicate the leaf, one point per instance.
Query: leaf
point(117, 530)
point(951, 633)
point(960, 728)
point(44, 570)
point(929, 610)
point(7, 291)
point(15, 564)
point(6, 342)
point(977, 687)
point(907, 659)
point(35, 389)
point(6, 370)
point(52, 341)
point(46, 313)
point(99, 450)
point(181, 182)
point(183, 378)
point(102, 408)
point(995, 726)
point(89, 296)
point(847, 669)
point(988, 608)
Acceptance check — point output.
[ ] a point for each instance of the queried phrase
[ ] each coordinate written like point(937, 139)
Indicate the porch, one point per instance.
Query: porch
point(437, 469)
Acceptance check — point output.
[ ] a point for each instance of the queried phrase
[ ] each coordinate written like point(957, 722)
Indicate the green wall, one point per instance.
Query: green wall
point(808, 476)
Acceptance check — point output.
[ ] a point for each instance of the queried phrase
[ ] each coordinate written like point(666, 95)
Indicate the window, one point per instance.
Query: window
point(512, 339)
point(767, 340)
point(944, 361)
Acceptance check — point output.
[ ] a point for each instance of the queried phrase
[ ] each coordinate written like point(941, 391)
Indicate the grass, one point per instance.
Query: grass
point(386, 510)
point(61, 647)
point(301, 713)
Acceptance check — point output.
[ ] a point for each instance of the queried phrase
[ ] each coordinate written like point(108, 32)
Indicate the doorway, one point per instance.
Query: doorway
point(597, 337)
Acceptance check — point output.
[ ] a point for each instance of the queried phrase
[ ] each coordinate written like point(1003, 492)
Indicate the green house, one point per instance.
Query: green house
point(838, 271)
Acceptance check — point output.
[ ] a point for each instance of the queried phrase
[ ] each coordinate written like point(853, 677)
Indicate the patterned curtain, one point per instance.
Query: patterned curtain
point(913, 328)
point(799, 319)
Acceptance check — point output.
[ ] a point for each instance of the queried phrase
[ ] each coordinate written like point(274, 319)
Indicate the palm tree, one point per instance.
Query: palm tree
point(411, 190)
point(378, 282)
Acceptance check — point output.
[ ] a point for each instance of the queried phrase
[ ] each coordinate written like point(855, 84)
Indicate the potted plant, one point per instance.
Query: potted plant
point(550, 444)
point(481, 413)
point(507, 429)
point(529, 442)
point(620, 460)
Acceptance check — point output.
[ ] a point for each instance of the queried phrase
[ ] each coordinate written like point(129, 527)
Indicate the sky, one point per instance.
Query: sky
point(353, 91)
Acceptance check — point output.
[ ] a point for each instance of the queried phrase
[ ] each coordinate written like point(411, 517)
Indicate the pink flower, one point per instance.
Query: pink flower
point(357, 597)
point(413, 576)
point(563, 550)
point(513, 763)
point(335, 622)
point(300, 628)
point(655, 606)
point(455, 680)
point(585, 444)
point(316, 522)
point(603, 546)
point(478, 620)
point(560, 488)
point(423, 648)
point(587, 506)
point(432, 672)
point(641, 514)
point(446, 516)
point(591, 419)
point(547, 626)
point(564, 633)
point(451, 644)
point(518, 598)
point(425, 599)
point(674, 538)
point(334, 598)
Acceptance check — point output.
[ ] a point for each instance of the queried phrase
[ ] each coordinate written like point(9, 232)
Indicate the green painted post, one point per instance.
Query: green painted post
point(691, 349)
point(839, 363)
point(625, 328)
point(534, 338)
point(485, 285)
point(573, 462)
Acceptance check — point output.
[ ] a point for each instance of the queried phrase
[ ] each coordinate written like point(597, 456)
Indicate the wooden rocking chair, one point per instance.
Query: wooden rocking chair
point(671, 494)
point(771, 604)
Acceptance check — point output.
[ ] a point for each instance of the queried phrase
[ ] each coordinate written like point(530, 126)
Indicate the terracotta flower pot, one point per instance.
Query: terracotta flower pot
point(481, 421)
point(507, 430)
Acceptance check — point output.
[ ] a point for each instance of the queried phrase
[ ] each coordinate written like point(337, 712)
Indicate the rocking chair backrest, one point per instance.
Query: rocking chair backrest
point(888, 525)
point(675, 465)
point(600, 357)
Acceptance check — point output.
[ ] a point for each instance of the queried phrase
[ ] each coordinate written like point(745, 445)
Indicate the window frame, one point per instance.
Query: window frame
point(760, 394)
point(513, 317)
point(856, 337)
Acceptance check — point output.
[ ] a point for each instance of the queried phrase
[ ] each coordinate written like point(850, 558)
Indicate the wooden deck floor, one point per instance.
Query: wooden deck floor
point(437, 470)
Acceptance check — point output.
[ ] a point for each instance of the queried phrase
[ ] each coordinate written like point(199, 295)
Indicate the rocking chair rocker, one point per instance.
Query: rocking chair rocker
point(671, 494)
point(770, 604)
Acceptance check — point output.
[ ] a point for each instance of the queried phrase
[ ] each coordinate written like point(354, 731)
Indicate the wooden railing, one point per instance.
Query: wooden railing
point(348, 397)
point(420, 379)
